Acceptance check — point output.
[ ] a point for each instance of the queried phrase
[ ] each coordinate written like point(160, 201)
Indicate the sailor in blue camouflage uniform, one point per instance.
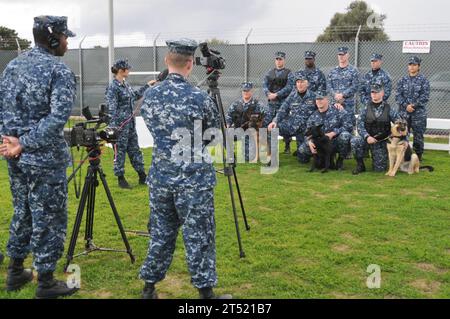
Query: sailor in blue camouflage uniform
point(181, 189)
point(245, 113)
point(374, 128)
point(238, 112)
point(120, 98)
point(37, 92)
point(316, 79)
point(296, 110)
point(376, 76)
point(343, 84)
point(413, 94)
point(336, 125)
point(277, 85)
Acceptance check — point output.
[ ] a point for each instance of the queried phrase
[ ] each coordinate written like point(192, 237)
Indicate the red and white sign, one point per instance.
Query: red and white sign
point(416, 46)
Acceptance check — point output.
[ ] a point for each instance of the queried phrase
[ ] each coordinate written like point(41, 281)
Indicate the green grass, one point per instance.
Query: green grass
point(312, 235)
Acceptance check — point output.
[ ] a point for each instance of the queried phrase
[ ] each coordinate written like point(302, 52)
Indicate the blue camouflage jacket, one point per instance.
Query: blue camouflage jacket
point(379, 77)
point(37, 93)
point(120, 99)
point(413, 90)
point(297, 109)
point(332, 120)
point(238, 110)
point(345, 81)
point(316, 80)
point(169, 111)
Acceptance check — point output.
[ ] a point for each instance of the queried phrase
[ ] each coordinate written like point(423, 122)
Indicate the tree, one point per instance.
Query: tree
point(344, 26)
point(215, 41)
point(8, 40)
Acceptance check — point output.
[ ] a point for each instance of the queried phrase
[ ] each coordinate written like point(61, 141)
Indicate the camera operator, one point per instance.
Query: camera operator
point(120, 99)
point(37, 92)
point(181, 191)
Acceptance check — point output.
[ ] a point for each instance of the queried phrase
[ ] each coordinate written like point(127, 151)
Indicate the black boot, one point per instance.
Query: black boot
point(340, 163)
point(123, 183)
point(360, 167)
point(287, 146)
point(1, 258)
point(208, 293)
point(142, 178)
point(149, 291)
point(17, 275)
point(419, 155)
point(50, 288)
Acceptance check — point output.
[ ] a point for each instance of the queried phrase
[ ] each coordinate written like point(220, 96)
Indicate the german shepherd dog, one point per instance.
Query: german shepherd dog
point(324, 159)
point(401, 156)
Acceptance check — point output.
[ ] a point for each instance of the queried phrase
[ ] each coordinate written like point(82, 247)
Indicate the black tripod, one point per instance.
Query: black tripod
point(229, 169)
point(88, 196)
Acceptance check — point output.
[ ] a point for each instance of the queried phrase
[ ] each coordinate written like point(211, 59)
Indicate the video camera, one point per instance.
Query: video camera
point(210, 58)
point(83, 135)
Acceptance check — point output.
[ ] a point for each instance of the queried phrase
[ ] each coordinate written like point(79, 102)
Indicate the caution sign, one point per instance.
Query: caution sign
point(416, 46)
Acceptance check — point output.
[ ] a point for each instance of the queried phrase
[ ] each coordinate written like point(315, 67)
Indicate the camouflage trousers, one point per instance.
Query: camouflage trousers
point(272, 110)
point(193, 211)
point(417, 124)
point(287, 129)
point(341, 145)
point(39, 223)
point(350, 108)
point(128, 143)
point(379, 152)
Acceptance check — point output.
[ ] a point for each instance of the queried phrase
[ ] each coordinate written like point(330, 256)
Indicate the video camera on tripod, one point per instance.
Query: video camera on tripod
point(210, 58)
point(83, 135)
point(213, 62)
point(91, 138)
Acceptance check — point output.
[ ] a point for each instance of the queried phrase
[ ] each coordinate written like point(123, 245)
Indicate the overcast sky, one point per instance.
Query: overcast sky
point(137, 22)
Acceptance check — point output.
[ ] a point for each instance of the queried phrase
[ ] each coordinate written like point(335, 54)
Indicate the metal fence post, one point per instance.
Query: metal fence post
point(19, 50)
point(246, 56)
point(155, 56)
point(357, 47)
point(111, 39)
point(80, 70)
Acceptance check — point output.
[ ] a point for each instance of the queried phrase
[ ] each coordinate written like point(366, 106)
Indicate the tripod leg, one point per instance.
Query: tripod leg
point(89, 235)
point(247, 227)
point(215, 94)
point(116, 215)
point(79, 217)
point(236, 223)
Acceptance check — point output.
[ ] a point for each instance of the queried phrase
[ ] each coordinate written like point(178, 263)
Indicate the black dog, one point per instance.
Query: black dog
point(324, 159)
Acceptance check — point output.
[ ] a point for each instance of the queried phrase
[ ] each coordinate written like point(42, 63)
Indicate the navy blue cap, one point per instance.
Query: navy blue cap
point(342, 50)
point(300, 75)
point(247, 86)
point(310, 55)
point(280, 54)
point(414, 60)
point(53, 24)
point(376, 57)
point(122, 64)
point(182, 46)
point(320, 95)
point(376, 87)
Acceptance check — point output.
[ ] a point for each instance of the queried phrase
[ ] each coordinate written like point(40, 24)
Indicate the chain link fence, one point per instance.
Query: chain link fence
point(251, 62)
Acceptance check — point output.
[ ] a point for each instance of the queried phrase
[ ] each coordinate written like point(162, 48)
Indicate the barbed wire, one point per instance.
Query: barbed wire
point(236, 36)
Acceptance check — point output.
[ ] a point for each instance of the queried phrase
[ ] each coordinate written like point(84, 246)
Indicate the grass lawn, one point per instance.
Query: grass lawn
point(312, 235)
